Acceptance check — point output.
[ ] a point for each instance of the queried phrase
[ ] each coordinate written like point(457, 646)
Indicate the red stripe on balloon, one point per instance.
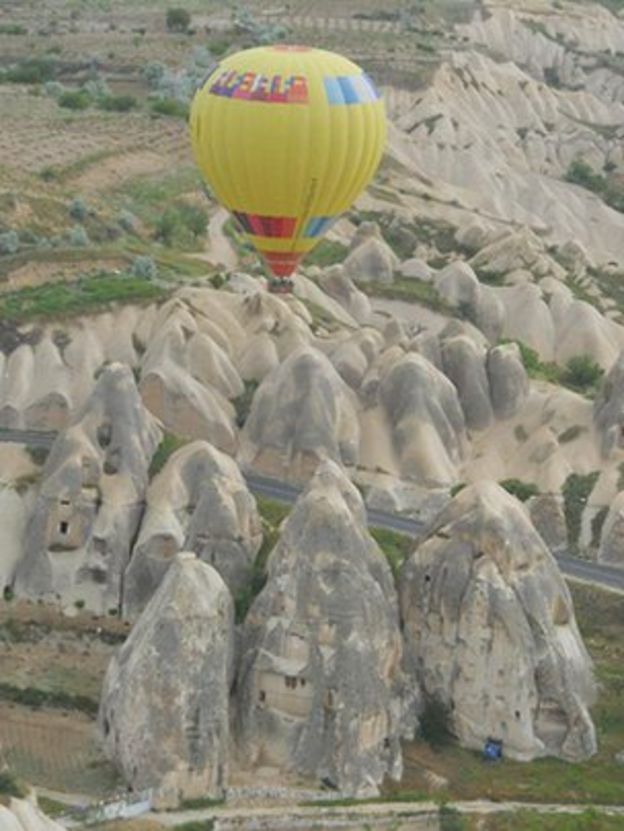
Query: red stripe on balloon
point(282, 263)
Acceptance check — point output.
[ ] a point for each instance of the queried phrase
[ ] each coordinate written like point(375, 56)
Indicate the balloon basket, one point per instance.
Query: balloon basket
point(283, 286)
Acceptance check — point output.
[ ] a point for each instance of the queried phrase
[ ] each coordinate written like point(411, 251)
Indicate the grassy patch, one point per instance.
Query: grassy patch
point(326, 253)
point(167, 447)
point(576, 490)
point(59, 300)
point(521, 490)
point(533, 821)
point(170, 107)
point(146, 196)
point(30, 71)
point(272, 514)
point(36, 698)
point(610, 284)
point(51, 807)
point(609, 189)
point(396, 547)
point(242, 404)
point(537, 369)
point(581, 374)
point(411, 291)
point(199, 804)
point(197, 825)
point(10, 785)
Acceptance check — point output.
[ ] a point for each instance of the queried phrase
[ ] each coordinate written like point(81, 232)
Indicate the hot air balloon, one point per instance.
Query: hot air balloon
point(287, 137)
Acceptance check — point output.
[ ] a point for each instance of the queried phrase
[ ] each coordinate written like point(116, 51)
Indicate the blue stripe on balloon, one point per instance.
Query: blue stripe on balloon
point(317, 225)
point(350, 89)
point(333, 91)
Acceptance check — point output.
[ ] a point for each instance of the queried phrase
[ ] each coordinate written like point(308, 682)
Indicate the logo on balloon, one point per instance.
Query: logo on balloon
point(252, 86)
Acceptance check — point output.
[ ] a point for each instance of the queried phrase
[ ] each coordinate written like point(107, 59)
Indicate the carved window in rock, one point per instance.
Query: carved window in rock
point(291, 682)
point(329, 700)
point(64, 527)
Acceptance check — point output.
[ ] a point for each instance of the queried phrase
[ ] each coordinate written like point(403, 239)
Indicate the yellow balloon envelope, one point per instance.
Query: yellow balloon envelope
point(287, 137)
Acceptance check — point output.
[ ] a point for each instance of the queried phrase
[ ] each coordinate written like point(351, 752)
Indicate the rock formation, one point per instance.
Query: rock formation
point(609, 409)
point(428, 427)
point(90, 502)
point(319, 686)
point(164, 704)
point(508, 381)
point(548, 517)
point(199, 502)
point(371, 261)
point(187, 379)
point(338, 285)
point(464, 365)
point(302, 413)
point(490, 630)
point(611, 548)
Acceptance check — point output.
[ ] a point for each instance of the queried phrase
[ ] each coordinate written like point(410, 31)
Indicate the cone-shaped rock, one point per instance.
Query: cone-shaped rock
point(89, 506)
point(164, 705)
point(198, 502)
point(490, 630)
point(319, 687)
point(302, 413)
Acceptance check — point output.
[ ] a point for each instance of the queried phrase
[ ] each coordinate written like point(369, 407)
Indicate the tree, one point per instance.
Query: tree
point(178, 20)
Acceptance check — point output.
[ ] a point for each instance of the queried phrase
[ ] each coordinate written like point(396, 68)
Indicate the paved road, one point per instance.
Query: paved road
point(603, 575)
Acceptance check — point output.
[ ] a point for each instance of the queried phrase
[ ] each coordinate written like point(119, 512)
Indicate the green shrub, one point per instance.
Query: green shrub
point(534, 366)
point(144, 267)
point(13, 29)
point(117, 103)
point(75, 100)
point(153, 72)
point(521, 490)
point(169, 444)
point(597, 524)
point(170, 106)
point(78, 237)
point(30, 71)
point(576, 490)
point(10, 786)
point(396, 547)
point(610, 190)
point(178, 20)
point(78, 210)
point(54, 89)
point(181, 221)
point(127, 221)
point(451, 819)
point(242, 404)
point(582, 373)
point(9, 242)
